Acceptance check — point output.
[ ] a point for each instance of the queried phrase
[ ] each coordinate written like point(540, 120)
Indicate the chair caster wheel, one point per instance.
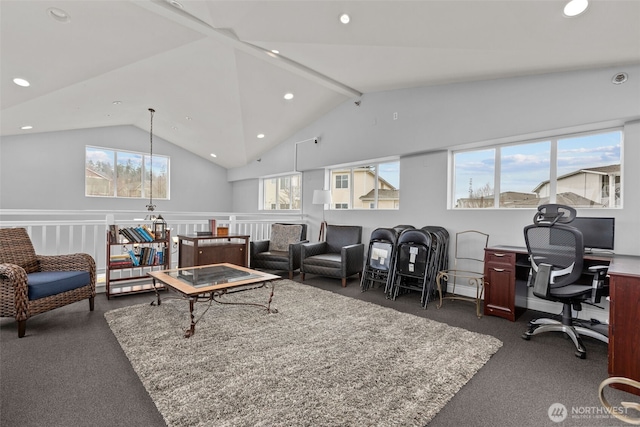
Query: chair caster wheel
point(581, 354)
point(526, 336)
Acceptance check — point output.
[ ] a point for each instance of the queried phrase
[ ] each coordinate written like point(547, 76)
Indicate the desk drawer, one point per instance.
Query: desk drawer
point(493, 256)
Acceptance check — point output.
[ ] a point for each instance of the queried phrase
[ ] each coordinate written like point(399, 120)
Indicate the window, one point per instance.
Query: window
point(342, 181)
point(110, 173)
point(581, 170)
point(281, 193)
point(373, 186)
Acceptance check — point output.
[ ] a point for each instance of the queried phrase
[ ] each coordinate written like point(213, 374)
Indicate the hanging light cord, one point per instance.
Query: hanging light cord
point(151, 206)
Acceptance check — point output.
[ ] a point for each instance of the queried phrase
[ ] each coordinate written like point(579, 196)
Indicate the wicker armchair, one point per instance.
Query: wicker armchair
point(31, 284)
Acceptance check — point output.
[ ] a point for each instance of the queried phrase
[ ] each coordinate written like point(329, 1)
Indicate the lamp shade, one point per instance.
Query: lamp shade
point(321, 197)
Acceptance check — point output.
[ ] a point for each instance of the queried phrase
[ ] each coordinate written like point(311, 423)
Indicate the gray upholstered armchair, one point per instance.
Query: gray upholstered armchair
point(340, 256)
point(31, 284)
point(282, 251)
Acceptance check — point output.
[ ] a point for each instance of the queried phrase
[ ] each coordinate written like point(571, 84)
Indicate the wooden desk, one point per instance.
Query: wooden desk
point(204, 250)
point(506, 270)
point(624, 319)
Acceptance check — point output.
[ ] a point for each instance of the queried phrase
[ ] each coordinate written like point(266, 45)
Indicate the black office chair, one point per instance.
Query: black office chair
point(556, 254)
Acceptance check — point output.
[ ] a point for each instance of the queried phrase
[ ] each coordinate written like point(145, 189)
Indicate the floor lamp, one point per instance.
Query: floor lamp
point(322, 197)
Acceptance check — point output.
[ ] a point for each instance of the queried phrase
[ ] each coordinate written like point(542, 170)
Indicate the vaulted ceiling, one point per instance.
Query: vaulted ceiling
point(208, 69)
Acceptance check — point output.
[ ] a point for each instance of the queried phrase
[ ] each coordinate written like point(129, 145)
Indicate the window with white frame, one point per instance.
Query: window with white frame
point(111, 173)
point(368, 186)
point(282, 192)
point(342, 181)
point(578, 170)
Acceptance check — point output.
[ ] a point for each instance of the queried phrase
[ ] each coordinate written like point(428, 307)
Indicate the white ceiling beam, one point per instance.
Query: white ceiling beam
point(182, 17)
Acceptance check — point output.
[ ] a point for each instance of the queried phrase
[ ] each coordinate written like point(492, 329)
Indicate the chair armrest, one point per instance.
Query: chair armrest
point(311, 249)
point(542, 282)
point(295, 254)
point(14, 292)
point(599, 287)
point(352, 258)
point(69, 262)
point(258, 246)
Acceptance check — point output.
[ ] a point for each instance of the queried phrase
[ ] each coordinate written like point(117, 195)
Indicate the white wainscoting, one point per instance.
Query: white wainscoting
point(65, 232)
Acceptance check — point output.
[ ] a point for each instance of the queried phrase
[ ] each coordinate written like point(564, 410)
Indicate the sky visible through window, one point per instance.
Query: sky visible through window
point(525, 166)
point(390, 172)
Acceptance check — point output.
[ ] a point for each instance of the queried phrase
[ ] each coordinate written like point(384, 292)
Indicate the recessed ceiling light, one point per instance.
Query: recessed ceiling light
point(26, 127)
point(117, 102)
point(344, 18)
point(575, 7)
point(59, 15)
point(619, 78)
point(188, 118)
point(261, 135)
point(213, 155)
point(275, 51)
point(288, 96)
point(174, 3)
point(21, 82)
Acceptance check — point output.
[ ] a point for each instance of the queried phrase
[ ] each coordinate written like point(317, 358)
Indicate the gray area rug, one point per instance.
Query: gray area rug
point(323, 360)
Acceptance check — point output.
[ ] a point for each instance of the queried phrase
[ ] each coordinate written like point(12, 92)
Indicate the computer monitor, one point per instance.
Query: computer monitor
point(597, 232)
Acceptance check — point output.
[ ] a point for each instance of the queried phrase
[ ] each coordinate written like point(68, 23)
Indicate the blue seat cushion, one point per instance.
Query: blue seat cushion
point(46, 283)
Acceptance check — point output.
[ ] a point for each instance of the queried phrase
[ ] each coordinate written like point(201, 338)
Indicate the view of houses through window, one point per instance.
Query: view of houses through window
point(282, 193)
point(111, 173)
point(372, 186)
point(581, 170)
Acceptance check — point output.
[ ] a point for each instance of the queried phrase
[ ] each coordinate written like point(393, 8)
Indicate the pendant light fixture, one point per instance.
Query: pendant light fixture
point(151, 207)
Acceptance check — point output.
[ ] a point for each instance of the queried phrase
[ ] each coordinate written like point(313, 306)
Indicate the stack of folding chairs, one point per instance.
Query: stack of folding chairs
point(419, 255)
point(380, 259)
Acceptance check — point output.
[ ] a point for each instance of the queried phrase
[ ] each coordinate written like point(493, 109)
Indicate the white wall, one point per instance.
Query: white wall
point(432, 119)
point(46, 171)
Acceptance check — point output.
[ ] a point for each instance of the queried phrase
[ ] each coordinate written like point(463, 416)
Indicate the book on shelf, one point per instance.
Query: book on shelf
point(120, 264)
point(134, 258)
point(149, 232)
point(139, 234)
point(114, 233)
point(127, 235)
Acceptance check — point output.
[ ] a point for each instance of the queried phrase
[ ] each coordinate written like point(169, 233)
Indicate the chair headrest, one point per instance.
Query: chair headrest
point(552, 213)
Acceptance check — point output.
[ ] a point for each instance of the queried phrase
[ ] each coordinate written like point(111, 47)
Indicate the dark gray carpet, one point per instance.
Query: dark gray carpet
point(322, 360)
point(69, 370)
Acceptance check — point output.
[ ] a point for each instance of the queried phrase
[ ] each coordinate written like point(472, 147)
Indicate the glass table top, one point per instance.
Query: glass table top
point(214, 275)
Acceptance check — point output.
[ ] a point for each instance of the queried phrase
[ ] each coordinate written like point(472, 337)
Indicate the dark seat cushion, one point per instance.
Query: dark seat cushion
point(277, 256)
point(324, 260)
point(46, 283)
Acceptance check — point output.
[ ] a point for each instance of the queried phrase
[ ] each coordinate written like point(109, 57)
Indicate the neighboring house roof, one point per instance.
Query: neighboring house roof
point(528, 199)
point(97, 174)
point(516, 198)
point(600, 170)
point(382, 195)
point(368, 171)
point(572, 199)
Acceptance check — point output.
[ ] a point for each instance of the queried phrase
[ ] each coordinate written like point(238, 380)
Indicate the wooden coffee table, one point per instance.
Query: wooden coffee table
point(207, 282)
